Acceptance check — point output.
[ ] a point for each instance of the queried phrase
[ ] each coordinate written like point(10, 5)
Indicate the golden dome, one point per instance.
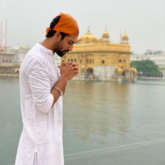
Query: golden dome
point(125, 37)
point(105, 35)
point(88, 37)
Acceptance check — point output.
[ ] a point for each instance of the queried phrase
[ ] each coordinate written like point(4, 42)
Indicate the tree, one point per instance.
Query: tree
point(147, 68)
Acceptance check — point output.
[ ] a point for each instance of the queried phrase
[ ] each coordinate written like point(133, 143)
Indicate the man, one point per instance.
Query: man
point(42, 85)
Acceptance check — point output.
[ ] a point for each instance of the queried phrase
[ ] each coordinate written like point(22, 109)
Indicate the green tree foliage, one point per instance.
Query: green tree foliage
point(147, 68)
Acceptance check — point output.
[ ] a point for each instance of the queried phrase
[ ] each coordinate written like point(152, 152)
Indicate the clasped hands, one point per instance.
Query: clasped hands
point(68, 70)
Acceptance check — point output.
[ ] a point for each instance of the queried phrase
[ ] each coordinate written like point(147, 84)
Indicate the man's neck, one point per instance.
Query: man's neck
point(47, 43)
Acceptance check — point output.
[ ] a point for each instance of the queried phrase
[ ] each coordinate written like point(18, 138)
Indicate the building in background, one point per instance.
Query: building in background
point(10, 60)
point(8, 65)
point(99, 59)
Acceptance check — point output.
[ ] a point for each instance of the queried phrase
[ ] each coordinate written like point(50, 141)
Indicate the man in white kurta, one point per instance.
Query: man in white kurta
point(41, 141)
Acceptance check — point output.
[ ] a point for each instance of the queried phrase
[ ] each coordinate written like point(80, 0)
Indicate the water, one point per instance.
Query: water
point(104, 123)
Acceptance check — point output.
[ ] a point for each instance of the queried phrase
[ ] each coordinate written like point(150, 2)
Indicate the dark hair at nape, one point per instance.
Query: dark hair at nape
point(51, 32)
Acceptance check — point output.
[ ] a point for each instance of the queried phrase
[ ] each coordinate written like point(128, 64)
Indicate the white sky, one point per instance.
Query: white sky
point(143, 20)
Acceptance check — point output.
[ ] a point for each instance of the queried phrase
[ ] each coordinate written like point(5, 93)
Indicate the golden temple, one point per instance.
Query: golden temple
point(100, 59)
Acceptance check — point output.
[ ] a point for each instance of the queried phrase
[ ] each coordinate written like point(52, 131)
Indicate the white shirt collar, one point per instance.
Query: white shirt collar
point(45, 50)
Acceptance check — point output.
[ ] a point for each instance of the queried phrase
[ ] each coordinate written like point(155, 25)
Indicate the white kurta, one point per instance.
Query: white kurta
point(41, 140)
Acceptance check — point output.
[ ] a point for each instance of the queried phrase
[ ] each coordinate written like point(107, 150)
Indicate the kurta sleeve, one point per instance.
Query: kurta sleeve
point(40, 86)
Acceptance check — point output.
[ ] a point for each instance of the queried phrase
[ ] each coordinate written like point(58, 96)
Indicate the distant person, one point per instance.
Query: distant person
point(42, 86)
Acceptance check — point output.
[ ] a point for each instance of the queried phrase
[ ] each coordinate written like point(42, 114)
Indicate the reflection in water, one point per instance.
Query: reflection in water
point(101, 108)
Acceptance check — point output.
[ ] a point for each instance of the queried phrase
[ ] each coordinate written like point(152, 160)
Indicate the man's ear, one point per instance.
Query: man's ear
point(57, 35)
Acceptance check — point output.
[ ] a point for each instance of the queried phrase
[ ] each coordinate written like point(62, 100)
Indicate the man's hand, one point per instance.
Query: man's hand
point(69, 70)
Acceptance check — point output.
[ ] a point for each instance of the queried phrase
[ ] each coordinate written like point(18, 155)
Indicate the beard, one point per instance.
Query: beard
point(61, 53)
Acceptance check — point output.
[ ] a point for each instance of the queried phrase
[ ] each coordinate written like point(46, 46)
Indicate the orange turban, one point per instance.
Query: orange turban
point(66, 24)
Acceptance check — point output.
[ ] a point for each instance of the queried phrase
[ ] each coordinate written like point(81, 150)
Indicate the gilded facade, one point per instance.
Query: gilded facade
point(99, 58)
